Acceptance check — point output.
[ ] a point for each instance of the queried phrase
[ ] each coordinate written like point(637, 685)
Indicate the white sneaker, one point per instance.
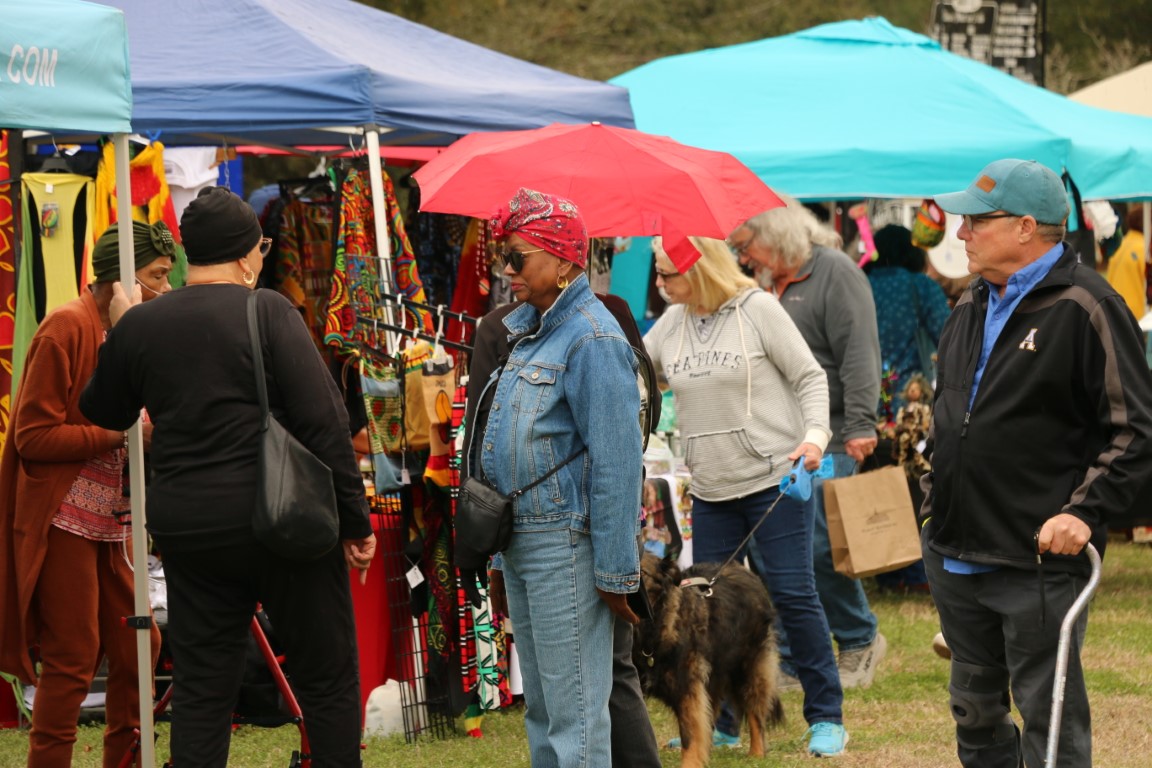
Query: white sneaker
point(940, 645)
point(858, 667)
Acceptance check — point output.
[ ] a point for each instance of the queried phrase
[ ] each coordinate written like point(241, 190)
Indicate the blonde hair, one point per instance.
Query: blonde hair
point(715, 277)
point(791, 230)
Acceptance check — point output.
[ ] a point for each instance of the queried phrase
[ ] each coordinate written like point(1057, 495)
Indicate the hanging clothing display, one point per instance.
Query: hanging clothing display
point(189, 170)
point(356, 273)
point(438, 382)
point(473, 282)
point(55, 251)
point(304, 248)
point(151, 198)
point(7, 284)
point(438, 242)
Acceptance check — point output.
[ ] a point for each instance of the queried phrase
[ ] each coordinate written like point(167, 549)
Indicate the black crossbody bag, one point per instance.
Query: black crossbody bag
point(295, 514)
point(484, 515)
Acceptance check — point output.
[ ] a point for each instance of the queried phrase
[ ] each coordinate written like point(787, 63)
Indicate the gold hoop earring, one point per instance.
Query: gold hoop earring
point(561, 282)
point(248, 277)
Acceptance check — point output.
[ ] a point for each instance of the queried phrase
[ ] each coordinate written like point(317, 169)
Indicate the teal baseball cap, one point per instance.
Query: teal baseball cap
point(1019, 187)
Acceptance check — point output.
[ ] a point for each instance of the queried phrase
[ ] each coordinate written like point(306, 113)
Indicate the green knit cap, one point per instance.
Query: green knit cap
point(150, 242)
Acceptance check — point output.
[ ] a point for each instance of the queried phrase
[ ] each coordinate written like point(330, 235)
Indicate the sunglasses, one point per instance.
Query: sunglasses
point(667, 275)
point(973, 221)
point(510, 257)
point(265, 245)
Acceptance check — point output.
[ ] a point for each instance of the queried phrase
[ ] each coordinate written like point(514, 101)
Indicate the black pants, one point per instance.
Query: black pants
point(633, 742)
point(211, 598)
point(993, 621)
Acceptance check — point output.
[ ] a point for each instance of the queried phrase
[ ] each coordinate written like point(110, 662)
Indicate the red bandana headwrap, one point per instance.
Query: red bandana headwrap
point(549, 221)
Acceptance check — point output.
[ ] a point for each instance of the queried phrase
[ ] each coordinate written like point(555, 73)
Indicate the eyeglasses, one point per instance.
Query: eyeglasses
point(265, 245)
point(510, 257)
point(668, 275)
point(742, 248)
point(972, 221)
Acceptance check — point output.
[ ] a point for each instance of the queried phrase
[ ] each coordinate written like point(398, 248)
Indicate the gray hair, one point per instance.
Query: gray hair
point(791, 231)
point(1050, 233)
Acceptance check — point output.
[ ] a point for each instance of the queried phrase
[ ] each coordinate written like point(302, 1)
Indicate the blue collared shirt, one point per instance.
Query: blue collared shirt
point(1000, 308)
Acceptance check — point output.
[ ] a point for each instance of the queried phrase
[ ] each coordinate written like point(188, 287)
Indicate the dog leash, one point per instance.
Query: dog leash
point(797, 485)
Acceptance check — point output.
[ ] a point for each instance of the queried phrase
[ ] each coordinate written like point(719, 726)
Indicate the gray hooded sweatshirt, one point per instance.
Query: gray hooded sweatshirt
point(748, 391)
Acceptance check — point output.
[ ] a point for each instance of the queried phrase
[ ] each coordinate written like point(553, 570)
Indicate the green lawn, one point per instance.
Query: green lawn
point(900, 722)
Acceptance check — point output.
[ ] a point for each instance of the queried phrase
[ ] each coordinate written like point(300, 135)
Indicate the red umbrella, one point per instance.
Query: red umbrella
point(625, 182)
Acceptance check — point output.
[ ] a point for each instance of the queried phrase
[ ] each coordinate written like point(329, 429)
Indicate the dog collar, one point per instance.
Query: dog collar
point(698, 581)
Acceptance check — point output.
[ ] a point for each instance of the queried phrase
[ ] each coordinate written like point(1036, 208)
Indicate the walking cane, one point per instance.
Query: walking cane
point(1062, 655)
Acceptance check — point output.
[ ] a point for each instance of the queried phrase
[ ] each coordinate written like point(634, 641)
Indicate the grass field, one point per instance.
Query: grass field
point(902, 721)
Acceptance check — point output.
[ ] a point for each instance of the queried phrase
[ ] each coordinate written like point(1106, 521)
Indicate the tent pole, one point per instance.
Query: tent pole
point(143, 606)
point(380, 217)
point(1147, 229)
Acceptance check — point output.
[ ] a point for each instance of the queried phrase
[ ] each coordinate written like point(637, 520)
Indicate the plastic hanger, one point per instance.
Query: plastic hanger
point(440, 362)
point(56, 163)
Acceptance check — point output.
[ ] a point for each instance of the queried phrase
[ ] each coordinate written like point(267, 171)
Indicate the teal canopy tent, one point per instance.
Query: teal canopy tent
point(864, 109)
point(64, 66)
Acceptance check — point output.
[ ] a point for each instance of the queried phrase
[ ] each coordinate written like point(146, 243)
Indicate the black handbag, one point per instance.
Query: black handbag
point(295, 514)
point(484, 515)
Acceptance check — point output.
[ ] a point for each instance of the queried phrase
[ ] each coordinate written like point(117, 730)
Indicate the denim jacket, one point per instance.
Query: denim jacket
point(570, 384)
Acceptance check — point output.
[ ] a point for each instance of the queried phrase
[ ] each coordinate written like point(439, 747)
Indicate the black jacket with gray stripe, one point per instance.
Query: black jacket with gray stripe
point(1061, 422)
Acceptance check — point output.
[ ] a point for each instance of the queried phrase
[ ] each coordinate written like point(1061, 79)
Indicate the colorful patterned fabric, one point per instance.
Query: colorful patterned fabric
point(417, 428)
point(304, 263)
point(7, 290)
point(356, 288)
point(439, 389)
point(90, 507)
point(473, 283)
point(548, 221)
point(383, 404)
point(439, 572)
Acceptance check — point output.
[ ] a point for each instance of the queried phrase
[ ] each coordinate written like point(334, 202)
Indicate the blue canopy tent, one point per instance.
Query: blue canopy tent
point(66, 68)
point(321, 72)
point(864, 109)
point(283, 71)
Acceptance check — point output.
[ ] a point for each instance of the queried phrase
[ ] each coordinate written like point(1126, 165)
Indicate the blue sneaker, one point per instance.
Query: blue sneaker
point(719, 739)
point(827, 740)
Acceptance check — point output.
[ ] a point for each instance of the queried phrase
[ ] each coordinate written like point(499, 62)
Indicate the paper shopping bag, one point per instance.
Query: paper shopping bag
point(871, 522)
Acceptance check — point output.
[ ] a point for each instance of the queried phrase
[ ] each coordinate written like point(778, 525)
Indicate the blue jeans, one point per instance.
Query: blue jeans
point(563, 633)
point(783, 543)
point(846, 606)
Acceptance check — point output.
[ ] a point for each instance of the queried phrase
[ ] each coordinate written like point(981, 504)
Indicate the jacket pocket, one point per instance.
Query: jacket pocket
point(536, 384)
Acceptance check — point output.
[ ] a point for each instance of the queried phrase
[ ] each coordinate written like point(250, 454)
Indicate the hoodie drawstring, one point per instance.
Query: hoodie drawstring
point(747, 362)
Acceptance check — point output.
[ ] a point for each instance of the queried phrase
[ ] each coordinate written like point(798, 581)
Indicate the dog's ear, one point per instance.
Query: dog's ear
point(669, 569)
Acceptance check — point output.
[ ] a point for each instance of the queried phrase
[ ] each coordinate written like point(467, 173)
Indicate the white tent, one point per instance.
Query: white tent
point(1129, 92)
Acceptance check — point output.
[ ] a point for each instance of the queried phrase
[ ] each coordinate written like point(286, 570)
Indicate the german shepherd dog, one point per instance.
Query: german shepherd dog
point(704, 645)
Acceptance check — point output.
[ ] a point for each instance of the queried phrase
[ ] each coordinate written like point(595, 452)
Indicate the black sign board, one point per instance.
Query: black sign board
point(1006, 34)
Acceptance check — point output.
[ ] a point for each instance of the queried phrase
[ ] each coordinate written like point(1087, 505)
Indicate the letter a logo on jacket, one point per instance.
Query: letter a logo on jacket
point(1029, 342)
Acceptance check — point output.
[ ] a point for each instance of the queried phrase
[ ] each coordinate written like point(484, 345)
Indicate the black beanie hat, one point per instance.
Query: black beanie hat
point(218, 227)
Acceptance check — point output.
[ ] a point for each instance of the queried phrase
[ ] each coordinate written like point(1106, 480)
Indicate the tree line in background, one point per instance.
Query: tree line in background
point(600, 39)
